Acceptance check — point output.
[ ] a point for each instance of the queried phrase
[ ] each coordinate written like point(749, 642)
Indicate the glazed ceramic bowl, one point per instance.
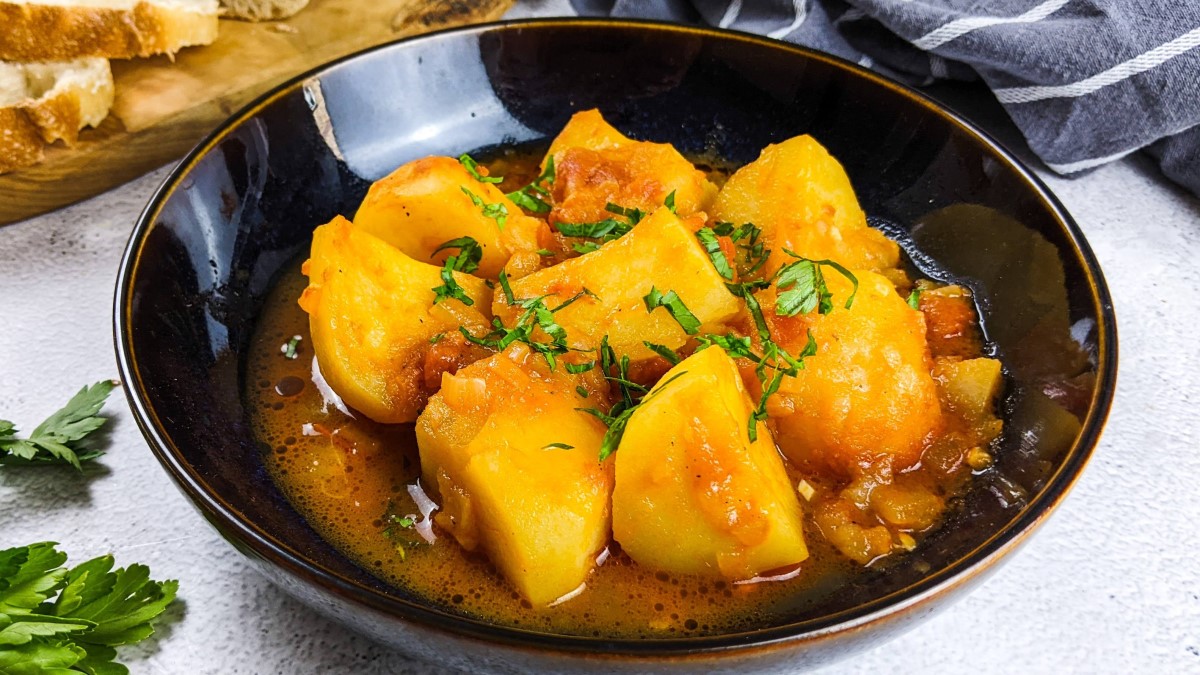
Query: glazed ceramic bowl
point(242, 205)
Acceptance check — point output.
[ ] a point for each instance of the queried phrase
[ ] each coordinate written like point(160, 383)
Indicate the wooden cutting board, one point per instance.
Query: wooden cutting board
point(162, 109)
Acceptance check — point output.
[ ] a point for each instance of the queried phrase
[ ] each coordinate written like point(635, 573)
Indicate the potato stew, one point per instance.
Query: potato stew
point(601, 391)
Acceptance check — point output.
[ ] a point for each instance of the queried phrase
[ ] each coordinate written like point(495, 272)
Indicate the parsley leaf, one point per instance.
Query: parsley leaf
point(634, 215)
point(802, 286)
point(558, 446)
point(465, 261)
point(96, 609)
point(712, 246)
point(663, 351)
point(914, 299)
point(607, 229)
point(530, 196)
point(472, 168)
point(62, 438)
point(679, 311)
point(669, 202)
point(497, 211)
point(468, 256)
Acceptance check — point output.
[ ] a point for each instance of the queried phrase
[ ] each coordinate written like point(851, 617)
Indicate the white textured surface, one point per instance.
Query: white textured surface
point(1110, 584)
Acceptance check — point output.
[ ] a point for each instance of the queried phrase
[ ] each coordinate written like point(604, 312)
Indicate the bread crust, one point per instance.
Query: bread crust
point(21, 143)
point(60, 33)
point(59, 114)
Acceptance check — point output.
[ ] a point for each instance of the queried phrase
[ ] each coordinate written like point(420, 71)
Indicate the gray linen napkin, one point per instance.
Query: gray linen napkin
point(1086, 81)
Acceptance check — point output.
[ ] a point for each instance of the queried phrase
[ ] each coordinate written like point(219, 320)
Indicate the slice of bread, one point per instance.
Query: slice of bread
point(261, 10)
point(62, 30)
point(44, 102)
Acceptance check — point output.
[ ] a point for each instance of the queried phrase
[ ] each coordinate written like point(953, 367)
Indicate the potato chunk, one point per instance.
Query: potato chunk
point(371, 313)
point(596, 164)
point(868, 395)
point(540, 512)
point(422, 204)
point(693, 494)
point(802, 199)
point(661, 252)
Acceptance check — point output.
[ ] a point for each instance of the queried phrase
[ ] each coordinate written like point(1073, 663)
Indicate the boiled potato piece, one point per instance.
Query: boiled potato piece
point(802, 199)
point(693, 494)
point(596, 164)
point(371, 313)
point(539, 511)
point(867, 396)
point(970, 387)
point(661, 252)
point(421, 205)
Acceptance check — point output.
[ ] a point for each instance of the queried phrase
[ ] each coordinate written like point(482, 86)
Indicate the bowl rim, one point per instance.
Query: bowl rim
point(939, 582)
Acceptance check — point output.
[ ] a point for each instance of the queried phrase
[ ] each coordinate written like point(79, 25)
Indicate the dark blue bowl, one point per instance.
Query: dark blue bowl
point(244, 202)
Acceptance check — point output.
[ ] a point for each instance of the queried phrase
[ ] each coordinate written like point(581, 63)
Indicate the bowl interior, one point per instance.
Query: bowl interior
point(244, 204)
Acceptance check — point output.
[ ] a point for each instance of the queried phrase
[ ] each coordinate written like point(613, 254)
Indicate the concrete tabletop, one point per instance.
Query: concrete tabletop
point(1110, 584)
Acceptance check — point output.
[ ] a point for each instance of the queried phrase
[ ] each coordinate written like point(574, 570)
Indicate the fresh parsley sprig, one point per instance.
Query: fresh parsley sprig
point(532, 196)
point(96, 609)
point(63, 437)
point(712, 246)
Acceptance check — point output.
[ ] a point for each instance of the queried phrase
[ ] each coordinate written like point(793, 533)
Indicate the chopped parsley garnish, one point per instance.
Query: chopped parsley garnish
point(712, 246)
point(577, 368)
point(433, 340)
point(290, 347)
point(603, 230)
point(465, 261)
point(802, 286)
point(669, 202)
point(96, 609)
point(558, 446)
point(62, 438)
point(497, 212)
point(394, 525)
point(582, 391)
point(472, 168)
point(545, 253)
point(531, 196)
point(674, 305)
point(618, 418)
point(535, 316)
point(585, 247)
point(914, 299)
point(634, 216)
point(468, 257)
point(663, 351)
point(747, 238)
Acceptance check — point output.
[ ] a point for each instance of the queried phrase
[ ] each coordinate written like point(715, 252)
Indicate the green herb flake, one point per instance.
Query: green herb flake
point(290, 348)
point(558, 446)
point(531, 196)
point(545, 253)
point(472, 168)
point(712, 246)
point(582, 391)
point(669, 202)
point(663, 351)
point(674, 305)
point(497, 211)
point(914, 299)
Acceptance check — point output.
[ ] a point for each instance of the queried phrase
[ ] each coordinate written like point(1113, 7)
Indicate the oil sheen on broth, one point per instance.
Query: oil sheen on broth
point(344, 474)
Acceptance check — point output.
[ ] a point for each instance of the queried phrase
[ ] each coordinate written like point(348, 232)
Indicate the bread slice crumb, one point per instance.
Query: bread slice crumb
point(42, 103)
